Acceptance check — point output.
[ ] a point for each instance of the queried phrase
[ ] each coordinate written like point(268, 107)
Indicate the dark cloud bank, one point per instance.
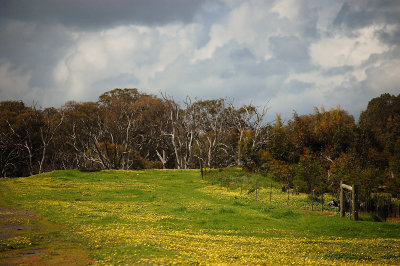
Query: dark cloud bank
point(94, 14)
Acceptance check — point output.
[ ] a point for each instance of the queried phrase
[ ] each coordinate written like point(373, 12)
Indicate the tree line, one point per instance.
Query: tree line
point(128, 129)
point(312, 153)
point(124, 129)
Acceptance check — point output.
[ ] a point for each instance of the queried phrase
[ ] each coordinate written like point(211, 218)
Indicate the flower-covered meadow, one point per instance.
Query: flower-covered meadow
point(173, 216)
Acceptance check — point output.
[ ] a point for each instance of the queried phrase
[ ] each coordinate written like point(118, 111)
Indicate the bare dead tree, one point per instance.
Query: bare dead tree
point(249, 118)
point(47, 132)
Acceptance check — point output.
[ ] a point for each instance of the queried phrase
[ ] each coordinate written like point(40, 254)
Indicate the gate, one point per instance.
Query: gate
point(354, 199)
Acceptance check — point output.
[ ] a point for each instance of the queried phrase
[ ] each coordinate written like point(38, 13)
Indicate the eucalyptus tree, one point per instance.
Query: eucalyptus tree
point(253, 134)
point(26, 133)
point(52, 121)
point(120, 123)
point(81, 125)
point(215, 122)
point(182, 130)
point(241, 120)
point(12, 151)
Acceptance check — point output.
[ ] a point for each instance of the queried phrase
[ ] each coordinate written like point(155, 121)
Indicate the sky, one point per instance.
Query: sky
point(288, 54)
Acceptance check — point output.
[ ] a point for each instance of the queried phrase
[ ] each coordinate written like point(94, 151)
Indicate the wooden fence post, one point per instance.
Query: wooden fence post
point(355, 202)
point(354, 196)
point(341, 200)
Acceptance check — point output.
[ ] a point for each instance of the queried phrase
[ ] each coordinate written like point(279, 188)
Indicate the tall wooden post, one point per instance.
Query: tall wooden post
point(341, 199)
point(355, 202)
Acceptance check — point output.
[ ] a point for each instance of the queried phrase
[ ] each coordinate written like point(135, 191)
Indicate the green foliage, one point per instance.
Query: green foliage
point(316, 151)
point(280, 146)
point(309, 173)
point(250, 156)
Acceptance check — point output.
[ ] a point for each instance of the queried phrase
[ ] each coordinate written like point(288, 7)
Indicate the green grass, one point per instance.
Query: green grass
point(173, 216)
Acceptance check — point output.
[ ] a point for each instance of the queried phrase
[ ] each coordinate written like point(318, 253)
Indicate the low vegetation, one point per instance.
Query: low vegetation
point(175, 216)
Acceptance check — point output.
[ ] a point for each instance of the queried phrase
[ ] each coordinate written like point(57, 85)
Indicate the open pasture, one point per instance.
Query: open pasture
point(173, 216)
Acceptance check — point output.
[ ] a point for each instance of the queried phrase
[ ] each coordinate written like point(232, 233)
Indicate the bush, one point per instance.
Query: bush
point(89, 169)
point(152, 164)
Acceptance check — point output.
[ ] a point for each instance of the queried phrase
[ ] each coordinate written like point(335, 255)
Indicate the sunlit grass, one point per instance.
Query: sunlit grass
point(173, 216)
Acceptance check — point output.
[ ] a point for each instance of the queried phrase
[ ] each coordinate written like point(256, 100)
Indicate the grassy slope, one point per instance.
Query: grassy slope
point(172, 216)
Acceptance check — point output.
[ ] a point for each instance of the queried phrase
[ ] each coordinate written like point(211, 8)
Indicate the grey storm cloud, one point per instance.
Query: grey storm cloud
point(334, 71)
point(100, 13)
point(291, 51)
point(391, 38)
point(361, 13)
point(35, 48)
point(289, 48)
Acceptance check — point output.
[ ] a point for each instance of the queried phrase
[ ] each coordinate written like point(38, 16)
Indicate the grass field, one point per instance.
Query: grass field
point(173, 216)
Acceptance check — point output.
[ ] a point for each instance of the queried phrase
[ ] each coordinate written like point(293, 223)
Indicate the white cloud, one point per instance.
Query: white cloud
point(385, 76)
point(139, 50)
point(218, 37)
point(341, 50)
point(61, 72)
point(249, 23)
point(287, 8)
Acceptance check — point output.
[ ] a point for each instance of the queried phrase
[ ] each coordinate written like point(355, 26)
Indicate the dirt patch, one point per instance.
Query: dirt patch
point(28, 239)
point(328, 213)
point(6, 211)
point(18, 227)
